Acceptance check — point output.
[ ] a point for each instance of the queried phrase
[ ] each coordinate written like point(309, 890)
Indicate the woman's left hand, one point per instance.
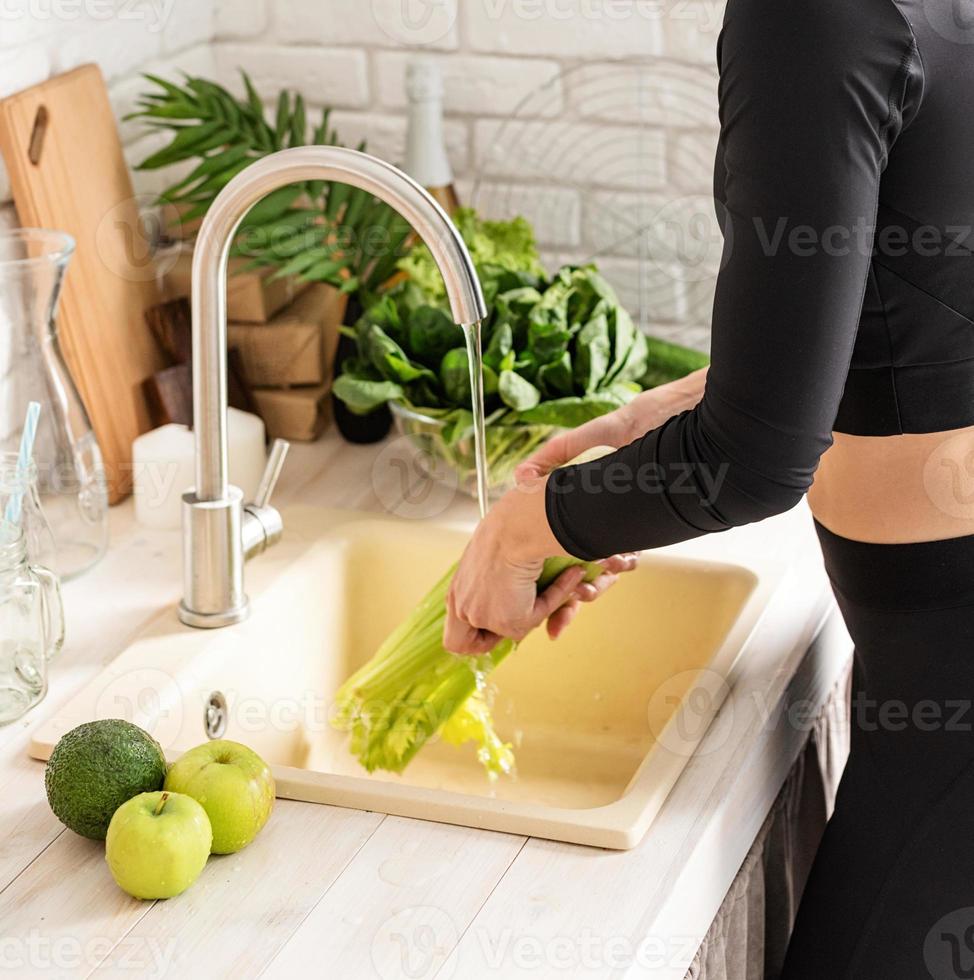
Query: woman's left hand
point(494, 591)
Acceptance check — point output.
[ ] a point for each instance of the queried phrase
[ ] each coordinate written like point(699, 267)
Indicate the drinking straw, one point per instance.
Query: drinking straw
point(14, 504)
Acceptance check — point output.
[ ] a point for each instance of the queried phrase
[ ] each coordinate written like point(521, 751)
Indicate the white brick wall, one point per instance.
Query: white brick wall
point(343, 72)
point(617, 100)
point(583, 29)
point(370, 23)
point(125, 37)
point(40, 39)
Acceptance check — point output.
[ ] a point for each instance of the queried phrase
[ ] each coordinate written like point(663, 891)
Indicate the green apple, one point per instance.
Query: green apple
point(232, 783)
point(157, 844)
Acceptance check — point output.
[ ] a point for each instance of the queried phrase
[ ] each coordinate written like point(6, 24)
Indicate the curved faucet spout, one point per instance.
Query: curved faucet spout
point(304, 163)
point(218, 531)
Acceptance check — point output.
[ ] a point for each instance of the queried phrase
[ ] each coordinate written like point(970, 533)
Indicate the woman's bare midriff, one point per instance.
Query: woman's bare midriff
point(897, 489)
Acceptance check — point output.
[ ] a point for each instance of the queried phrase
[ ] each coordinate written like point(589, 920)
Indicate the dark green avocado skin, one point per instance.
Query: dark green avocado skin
point(97, 767)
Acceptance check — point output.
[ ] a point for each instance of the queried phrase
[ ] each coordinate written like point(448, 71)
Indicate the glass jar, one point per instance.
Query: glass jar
point(31, 625)
point(41, 549)
point(70, 473)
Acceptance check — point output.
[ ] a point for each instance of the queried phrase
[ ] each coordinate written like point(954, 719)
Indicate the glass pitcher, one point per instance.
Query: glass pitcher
point(31, 625)
point(70, 473)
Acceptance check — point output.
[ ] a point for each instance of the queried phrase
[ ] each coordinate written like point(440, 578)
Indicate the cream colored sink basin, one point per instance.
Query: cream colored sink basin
point(604, 720)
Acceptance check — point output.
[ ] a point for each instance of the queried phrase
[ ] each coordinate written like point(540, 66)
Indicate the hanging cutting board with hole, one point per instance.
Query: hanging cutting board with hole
point(60, 143)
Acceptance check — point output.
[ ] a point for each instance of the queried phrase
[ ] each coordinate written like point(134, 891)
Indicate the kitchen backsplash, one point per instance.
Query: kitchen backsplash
point(596, 142)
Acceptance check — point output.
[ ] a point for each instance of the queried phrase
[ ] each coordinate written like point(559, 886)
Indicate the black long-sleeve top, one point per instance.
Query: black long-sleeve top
point(845, 185)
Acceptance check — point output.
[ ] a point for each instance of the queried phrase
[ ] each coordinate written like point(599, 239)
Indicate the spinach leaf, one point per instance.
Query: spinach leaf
point(390, 360)
point(571, 411)
point(363, 395)
point(515, 304)
point(384, 314)
point(501, 344)
point(526, 365)
point(491, 381)
point(455, 376)
point(635, 365)
point(593, 349)
point(505, 280)
point(431, 334)
point(547, 341)
point(555, 377)
point(623, 334)
point(517, 392)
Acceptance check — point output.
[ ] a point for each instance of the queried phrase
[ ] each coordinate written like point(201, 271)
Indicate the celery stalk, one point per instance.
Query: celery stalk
point(413, 688)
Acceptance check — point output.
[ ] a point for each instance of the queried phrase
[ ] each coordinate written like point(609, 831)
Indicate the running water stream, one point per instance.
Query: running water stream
point(471, 333)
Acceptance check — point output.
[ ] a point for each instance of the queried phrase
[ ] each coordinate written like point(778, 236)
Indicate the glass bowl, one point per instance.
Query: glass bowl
point(448, 456)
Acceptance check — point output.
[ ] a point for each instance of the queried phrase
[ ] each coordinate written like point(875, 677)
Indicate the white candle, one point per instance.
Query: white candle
point(164, 466)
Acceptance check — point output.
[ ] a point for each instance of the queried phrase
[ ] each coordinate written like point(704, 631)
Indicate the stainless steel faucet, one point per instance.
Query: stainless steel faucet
point(219, 532)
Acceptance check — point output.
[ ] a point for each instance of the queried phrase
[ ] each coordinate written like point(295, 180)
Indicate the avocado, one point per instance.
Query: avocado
point(97, 767)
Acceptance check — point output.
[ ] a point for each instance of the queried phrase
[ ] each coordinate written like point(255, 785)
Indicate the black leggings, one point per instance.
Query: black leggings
point(891, 893)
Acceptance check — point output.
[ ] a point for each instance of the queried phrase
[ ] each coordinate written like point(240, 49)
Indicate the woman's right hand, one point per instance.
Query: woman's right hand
point(645, 412)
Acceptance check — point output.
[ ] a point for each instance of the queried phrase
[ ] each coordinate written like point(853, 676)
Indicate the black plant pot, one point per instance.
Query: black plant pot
point(361, 429)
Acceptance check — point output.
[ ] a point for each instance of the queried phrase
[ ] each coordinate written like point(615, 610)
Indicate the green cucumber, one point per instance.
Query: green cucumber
point(669, 362)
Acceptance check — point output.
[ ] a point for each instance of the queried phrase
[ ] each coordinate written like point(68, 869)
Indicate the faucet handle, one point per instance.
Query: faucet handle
point(272, 472)
point(262, 524)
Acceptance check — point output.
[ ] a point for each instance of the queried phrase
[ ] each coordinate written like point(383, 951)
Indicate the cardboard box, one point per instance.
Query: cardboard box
point(252, 297)
point(297, 347)
point(297, 414)
point(279, 355)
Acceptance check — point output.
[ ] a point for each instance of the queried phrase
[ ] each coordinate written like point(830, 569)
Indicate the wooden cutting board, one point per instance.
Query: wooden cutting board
point(60, 143)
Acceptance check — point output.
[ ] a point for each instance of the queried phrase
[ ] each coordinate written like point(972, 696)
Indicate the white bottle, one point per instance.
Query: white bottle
point(426, 158)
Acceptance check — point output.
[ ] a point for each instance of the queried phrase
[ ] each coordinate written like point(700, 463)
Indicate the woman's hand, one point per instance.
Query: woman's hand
point(494, 591)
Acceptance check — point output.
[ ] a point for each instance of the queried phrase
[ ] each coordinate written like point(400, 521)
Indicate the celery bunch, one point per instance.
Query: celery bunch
point(413, 688)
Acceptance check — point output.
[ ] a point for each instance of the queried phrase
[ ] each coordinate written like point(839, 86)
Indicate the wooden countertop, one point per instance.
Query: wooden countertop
point(329, 892)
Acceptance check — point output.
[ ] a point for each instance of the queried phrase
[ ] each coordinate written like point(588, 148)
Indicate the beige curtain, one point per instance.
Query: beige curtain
point(748, 938)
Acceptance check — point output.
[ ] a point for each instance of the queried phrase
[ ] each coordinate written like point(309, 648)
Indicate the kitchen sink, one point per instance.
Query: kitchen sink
point(603, 721)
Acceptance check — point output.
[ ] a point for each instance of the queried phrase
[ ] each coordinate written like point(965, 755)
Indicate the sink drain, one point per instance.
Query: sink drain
point(215, 716)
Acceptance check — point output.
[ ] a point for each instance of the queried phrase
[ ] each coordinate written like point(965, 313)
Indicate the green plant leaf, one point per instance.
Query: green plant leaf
point(555, 378)
point(282, 119)
point(623, 334)
point(593, 350)
point(455, 376)
point(431, 334)
point(189, 141)
point(273, 206)
point(362, 395)
point(299, 123)
point(500, 346)
point(517, 392)
point(572, 411)
point(390, 360)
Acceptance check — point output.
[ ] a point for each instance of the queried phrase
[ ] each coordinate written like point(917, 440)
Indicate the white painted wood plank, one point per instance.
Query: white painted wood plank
point(401, 905)
point(246, 905)
point(64, 913)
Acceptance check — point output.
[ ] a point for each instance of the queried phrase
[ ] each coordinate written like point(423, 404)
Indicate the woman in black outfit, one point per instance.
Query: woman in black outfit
point(842, 353)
